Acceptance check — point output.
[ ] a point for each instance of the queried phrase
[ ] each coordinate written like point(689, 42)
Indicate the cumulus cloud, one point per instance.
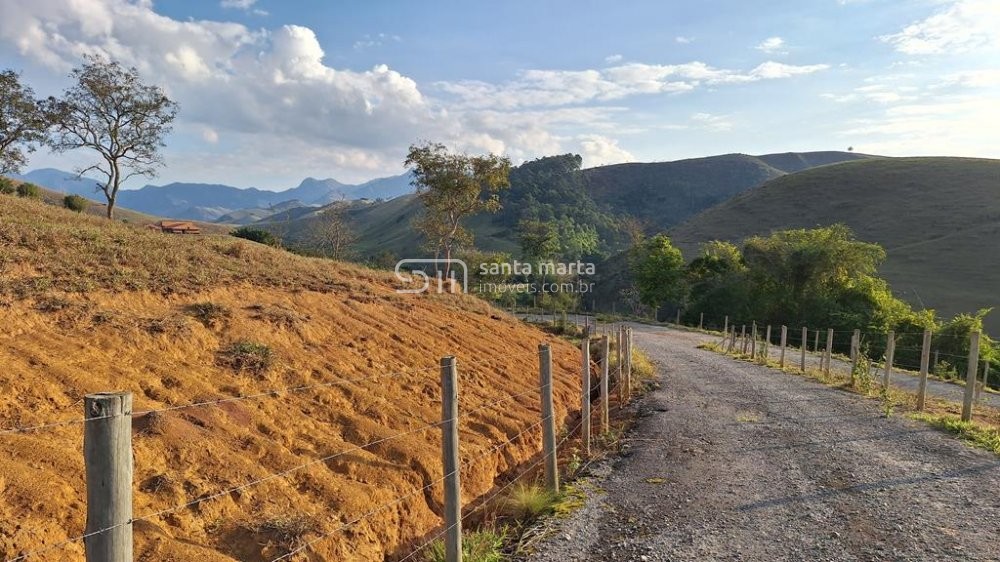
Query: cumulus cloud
point(959, 27)
point(611, 59)
point(280, 105)
point(771, 45)
point(598, 150)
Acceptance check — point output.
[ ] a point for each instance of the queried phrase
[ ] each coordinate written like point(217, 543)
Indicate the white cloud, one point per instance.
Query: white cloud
point(961, 26)
point(683, 40)
point(709, 122)
point(368, 41)
point(210, 135)
point(610, 59)
point(771, 45)
point(598, 150)
point(547, 88)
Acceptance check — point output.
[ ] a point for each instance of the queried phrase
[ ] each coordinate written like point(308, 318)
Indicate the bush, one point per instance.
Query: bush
point(257, 235)
point(7, 186)
point(247, 357)
point(29, 190)
point(76, 203)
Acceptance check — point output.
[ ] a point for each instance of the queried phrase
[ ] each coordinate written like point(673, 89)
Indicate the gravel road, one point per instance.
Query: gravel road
point(733, 461)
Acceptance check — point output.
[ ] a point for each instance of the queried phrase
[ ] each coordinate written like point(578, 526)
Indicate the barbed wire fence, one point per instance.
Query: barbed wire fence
point(819, 346)
point(108, 456)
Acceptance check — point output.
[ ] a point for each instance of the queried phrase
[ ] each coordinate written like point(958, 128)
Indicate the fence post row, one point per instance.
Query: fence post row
point(970, 378)
point(548, 419)
point(890, 353)
point(925, 359)
point(449, 453)
point(107, 455)
point(585, 398)
point(802, 348)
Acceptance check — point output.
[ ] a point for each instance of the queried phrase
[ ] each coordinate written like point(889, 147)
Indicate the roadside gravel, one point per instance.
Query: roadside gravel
point(733, 461)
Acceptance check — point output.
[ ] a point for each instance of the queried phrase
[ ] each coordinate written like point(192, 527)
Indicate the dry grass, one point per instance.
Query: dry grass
point(91, 306)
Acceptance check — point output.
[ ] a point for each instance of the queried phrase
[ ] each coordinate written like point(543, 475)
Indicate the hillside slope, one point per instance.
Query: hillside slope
point(938, 219)
point(660, 194)
point(89, 305)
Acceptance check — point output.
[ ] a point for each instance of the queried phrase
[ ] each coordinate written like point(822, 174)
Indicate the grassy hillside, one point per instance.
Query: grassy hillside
point(938, 219)
point(89, 305)
point(660, 194)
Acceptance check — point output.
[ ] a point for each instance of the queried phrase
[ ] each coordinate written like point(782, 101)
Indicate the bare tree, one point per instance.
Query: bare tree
point(23, 122)
point(330, 233)
point(110, 110)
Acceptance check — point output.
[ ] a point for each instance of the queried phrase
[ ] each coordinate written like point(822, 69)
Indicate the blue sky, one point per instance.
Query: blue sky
point(273, 91)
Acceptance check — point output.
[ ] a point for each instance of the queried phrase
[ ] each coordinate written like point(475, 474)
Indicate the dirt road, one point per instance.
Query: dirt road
point(733, 461)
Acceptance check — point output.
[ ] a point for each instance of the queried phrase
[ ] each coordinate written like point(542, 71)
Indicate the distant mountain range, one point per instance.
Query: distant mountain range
point(223, 203)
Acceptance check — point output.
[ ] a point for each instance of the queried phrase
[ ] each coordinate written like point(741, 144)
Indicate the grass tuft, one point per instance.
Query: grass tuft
point(477, 546)
point(247, 357)
point(975, 434)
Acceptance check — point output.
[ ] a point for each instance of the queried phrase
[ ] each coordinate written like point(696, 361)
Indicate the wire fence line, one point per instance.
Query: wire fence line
point(129, 520)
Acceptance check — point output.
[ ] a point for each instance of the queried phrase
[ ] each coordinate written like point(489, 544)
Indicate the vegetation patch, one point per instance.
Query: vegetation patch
point(975, 434)
point(486, 545)
point(210, 314)
point(246, 357)
point(76, 203)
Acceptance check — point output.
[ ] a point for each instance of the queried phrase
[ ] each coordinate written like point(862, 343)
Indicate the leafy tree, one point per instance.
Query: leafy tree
point(453, 187)
point(717, 282)
point(7, 186)
point(76, 203)
point(576, 240)
point(111, 111)
point(23, 122)
point(658, 269)
point(539, 239)
point(257, 235)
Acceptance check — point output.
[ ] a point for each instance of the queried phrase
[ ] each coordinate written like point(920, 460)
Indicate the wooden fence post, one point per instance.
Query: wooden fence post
point(548, 419)
point(701, 321)
point(605, 361)
point(890, 353)
point(970, 378)
point(829, 349)
point(628, 363)
point(585, 398)
point(784, 344)
point(620, 377)
point(925, 359)
point(802, 348)
point(986, 376)
point(678, 322)
point(449, 450)
point(816, 343)
point(107, 455)
point(753, 341)
point(725, 326)
point(767, 344)
point(855, 353)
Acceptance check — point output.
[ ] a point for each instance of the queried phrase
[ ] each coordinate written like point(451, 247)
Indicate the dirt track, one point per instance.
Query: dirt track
point(732, 461)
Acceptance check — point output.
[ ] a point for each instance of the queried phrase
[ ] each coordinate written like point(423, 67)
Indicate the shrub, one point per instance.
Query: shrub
point(76, 203)
point(7, 186)
point(257, 235)
point(29, 190)
point(247, 357)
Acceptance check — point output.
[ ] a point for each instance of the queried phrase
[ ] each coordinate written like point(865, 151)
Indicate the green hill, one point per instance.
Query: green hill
point(937, 218)
point(554, 188)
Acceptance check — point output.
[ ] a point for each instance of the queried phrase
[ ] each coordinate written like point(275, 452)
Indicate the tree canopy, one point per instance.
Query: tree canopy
point(23, 122)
